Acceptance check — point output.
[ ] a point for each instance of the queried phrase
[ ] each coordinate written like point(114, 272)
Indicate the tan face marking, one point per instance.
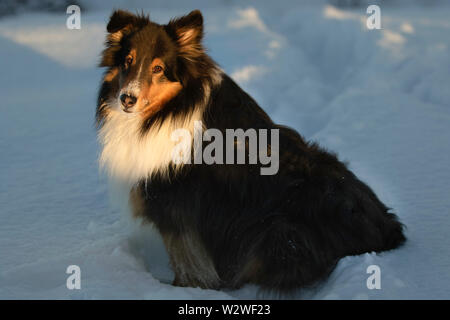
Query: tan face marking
point(155, 95)
point(111, 75)
point(130, 59)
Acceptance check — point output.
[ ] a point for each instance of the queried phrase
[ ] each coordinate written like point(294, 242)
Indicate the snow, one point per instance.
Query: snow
point(379, 98)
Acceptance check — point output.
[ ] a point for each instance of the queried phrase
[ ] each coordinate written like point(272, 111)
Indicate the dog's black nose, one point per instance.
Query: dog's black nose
point(127, 101)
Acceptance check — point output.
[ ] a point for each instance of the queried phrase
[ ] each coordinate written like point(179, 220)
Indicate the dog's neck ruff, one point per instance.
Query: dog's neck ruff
point(129, 156)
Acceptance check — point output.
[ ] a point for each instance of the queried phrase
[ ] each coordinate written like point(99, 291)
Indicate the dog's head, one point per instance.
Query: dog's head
point(149, 64)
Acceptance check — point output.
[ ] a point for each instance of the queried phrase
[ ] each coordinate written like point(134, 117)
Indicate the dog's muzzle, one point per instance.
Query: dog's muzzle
point(128, 101)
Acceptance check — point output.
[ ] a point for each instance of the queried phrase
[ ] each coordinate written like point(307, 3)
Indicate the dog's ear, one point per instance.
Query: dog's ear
point(119, 20)
point(121, 24)
point(188, 33)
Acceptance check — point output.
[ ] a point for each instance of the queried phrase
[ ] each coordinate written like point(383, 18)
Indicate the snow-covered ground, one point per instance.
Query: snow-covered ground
point(380, 98)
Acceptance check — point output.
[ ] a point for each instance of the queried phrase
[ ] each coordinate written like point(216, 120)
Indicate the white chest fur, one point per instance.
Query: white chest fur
point(128, 155)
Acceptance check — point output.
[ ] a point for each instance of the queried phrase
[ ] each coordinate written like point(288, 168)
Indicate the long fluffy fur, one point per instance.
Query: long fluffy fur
point(226, 225)
point(130, 156)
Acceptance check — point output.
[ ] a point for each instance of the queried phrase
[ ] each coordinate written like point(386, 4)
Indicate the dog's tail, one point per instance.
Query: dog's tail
point(285, 257)
point(289, 254)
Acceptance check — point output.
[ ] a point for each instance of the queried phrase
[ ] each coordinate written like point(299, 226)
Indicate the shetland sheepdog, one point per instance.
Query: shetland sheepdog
point(224, 224)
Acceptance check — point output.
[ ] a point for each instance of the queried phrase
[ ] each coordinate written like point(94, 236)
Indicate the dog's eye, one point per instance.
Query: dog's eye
point(128, 61)
point(157, 69)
